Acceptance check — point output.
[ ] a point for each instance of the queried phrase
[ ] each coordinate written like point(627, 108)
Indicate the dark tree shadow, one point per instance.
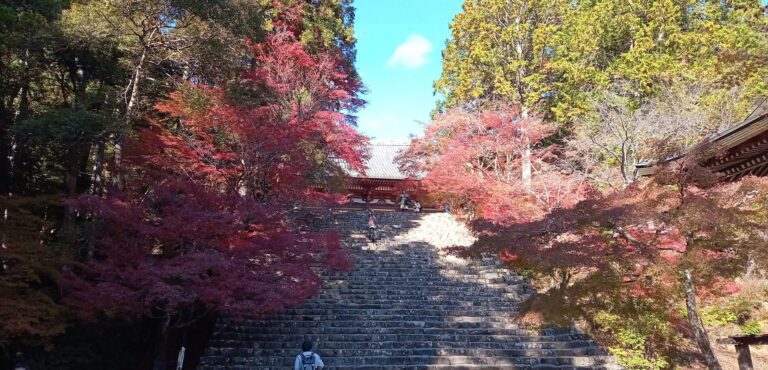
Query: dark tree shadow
point(403, 306)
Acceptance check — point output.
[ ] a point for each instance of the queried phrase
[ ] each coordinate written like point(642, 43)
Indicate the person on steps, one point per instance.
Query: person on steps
point(416, 206)
point(21, 364)
point(307, 360)
point(403, 201)
point(371, 226)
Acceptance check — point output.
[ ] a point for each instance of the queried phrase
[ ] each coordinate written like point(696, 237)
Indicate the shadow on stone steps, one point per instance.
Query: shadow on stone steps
point(404, 306)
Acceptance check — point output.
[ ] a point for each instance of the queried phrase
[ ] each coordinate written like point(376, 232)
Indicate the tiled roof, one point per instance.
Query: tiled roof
point(761, 110)
point(382, 164)
point(754, 125)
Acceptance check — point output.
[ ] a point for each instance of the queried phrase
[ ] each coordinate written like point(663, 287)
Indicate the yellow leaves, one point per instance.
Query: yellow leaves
point(496, 46)
point(556, 52)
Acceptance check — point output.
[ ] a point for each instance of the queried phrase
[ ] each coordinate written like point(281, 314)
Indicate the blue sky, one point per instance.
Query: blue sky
point(398, 56)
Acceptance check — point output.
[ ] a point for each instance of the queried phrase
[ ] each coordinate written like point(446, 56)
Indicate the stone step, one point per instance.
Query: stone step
point(501, 296)
point(414, 309)
point(389, 318)
point(439, 274)
point(423, 291)
point(386, 360)
point(423, 287)
point(428, 367)
point(392, 330)
point(483, 367)
point(410, 256)
point(368, 337)
point(360, 316)
point(423, 283)
point(443, 322)
point(420, 290)
point(429, 351)
point(330, 298)
point(576, 345)
point(422, 302)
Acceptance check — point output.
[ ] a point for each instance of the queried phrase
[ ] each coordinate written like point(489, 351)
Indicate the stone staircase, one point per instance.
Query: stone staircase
point(406, 305)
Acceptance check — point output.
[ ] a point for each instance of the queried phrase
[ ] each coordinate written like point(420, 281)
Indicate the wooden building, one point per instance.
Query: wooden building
point(382, 181)
point(739, 151)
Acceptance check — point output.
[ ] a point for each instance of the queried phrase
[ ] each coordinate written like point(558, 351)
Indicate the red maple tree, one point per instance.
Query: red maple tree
point(655, 242)
point(199, 225)
point(476, 161)
point(282, 130)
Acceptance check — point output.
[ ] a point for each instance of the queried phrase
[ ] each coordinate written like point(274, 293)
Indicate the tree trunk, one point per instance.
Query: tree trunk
point(7, 149)
point(526, 167)
point(129, 115)
point(6, 163)
point(161, 347)
point(6, 167)
point(97, 182)
point(70, 181)
point(23, 111)
point(4, 239)
point(73, 169)
point(526, 160)
point(699, 333)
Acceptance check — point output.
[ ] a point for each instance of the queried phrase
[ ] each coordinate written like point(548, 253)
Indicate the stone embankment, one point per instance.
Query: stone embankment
point(406, 305)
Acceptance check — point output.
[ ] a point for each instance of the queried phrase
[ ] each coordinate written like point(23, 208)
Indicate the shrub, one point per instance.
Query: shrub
point(751, 327)
point(718, 316)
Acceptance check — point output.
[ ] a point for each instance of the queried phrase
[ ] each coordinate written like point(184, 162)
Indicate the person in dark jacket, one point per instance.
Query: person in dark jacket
point(403, 201)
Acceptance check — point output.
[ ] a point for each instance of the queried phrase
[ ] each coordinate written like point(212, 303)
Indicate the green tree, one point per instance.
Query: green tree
point(651, 44)
point(554, 56)
point(499, 50)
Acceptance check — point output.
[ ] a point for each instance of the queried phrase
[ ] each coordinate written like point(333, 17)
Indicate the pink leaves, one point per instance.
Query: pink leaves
point(477, 160)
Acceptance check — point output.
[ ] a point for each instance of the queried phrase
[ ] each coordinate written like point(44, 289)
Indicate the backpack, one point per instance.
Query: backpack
point(308, 362)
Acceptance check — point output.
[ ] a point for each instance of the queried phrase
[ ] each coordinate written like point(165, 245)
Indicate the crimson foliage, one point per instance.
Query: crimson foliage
point(478, 160)
point(281, 131)
point(199, 225)
point(184, 247)
point(650, 247)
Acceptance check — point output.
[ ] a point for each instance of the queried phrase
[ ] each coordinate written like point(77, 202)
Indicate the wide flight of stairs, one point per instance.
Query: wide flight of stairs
point(406, 305)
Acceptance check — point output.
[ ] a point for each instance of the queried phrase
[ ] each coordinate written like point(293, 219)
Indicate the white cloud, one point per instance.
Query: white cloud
point(412, 53)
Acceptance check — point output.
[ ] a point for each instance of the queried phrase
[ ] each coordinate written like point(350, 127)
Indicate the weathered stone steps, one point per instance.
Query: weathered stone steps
point(405, 307)
point(375, 337)
point(573, 348)
point(435, 367)
point(377, 303)
point(435, 359)
point(380, 312)
point(389, 330)
point(438, 322)
point(286, 362)
point(483, 367)
point(343, 350)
